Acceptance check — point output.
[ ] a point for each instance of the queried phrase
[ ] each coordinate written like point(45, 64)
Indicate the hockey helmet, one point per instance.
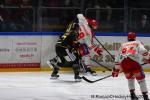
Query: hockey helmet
point(131, 36)
point(93, 23)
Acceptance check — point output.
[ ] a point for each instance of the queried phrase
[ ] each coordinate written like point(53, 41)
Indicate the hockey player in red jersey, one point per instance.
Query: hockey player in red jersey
point(128, 61)
point(88, 47)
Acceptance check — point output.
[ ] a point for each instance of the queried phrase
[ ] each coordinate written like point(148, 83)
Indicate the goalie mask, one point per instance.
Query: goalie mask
point(131, 36)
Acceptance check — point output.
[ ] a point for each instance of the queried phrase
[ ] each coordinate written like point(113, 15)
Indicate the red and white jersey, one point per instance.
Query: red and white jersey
point(134, 50)
point(85, 33)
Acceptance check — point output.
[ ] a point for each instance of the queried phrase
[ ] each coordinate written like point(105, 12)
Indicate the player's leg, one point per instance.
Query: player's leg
point(140, 76)
point(87, 64)
point(131, 85)
point(127, 66)
point(53, 63)
point(84, 52)
point(76, 70)
point(136, 70)
point(76, 66)
point(57, 61)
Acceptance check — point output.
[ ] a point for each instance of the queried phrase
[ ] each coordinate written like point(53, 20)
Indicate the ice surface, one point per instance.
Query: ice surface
point(39, 86)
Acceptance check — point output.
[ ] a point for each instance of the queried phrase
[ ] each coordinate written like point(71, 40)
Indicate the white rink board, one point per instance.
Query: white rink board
point(23, 50)
point(39, 49)
point(110, 42)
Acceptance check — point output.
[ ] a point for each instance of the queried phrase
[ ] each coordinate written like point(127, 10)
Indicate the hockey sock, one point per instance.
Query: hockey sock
point(143, 85)
point(131, 84)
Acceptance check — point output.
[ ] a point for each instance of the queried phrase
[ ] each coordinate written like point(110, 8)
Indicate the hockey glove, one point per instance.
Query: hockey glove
point(115, 72)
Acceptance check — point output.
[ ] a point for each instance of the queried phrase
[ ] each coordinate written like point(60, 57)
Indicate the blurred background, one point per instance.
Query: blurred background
point(55, 15)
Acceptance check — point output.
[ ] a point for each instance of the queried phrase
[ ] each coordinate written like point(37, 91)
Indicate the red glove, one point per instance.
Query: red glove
point(115, 72)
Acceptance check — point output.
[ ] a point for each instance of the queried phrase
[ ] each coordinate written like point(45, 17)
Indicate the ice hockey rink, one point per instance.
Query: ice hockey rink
point(39, 86)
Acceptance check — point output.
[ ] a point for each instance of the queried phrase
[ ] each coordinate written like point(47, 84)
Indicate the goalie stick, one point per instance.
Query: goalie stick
point(90, 81)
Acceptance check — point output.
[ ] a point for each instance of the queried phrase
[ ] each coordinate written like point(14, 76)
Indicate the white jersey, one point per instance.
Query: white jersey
point(85, 33)
point(86, 36)
point(133, 50)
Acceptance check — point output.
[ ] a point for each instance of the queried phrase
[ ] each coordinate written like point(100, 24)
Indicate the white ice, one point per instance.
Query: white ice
point(39, 86)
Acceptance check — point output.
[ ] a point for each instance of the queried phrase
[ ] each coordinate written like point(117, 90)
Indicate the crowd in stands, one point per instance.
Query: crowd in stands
point(22, 15)
point(15, 15)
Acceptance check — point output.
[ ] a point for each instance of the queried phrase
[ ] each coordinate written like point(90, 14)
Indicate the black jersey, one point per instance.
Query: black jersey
point(68, 41)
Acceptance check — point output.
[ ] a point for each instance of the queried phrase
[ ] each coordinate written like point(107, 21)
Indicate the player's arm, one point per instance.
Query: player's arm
point(117, 68)
point(143, 51)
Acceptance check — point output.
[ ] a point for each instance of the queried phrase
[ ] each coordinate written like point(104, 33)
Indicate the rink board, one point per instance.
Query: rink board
point(29, 51)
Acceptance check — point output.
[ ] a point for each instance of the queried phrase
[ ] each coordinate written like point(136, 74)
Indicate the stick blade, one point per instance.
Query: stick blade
point(87, 80)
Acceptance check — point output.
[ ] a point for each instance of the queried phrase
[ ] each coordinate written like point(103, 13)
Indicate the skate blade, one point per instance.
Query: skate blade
point(89, 74)
point(94, 74)
point(78, 80)
point(54, 78)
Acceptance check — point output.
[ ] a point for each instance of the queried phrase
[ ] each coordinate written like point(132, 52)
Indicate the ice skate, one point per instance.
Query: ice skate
point(145, 96)
point(134, 97)
point(78, 78)
point(54, 75)
point(90, 72)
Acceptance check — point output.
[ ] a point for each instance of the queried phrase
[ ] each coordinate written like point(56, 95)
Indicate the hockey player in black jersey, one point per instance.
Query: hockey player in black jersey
point(66, 52)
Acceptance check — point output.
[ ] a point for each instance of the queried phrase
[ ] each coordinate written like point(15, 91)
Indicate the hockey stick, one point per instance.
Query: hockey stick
point(104, 47)
point(90, 81)
point(87, 80)
point(109, 69)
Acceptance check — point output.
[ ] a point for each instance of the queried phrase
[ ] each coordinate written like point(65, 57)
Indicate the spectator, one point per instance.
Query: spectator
point(143, 25)
point(72, 3)
point(50, 3)
point(106, 14)
point(15, 2)
point(4, 18)
point(25, 3)
point(18, 3)
point(1, 3)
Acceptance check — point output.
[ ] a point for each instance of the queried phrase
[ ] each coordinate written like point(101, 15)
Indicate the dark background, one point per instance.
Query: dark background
point(55, 15)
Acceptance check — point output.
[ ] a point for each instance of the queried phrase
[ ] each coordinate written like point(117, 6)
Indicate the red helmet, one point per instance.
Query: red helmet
point(131, 36)
point(92, 23)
